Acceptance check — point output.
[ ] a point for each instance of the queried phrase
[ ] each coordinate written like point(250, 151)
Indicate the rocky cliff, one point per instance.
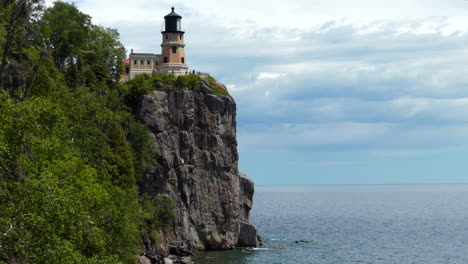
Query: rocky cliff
point(195, 134)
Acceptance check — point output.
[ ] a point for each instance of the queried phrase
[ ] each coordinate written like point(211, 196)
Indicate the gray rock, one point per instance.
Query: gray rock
point(205, 87)
point(168, 261)
point(302, 241)
point(247, 236)
point(246, 195)
point(195, 134)
point(143, 260)
point(186, 260)
point(159, 85)
point(260, 240)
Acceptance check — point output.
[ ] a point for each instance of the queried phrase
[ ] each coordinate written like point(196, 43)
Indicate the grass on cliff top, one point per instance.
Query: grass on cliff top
point(218, 90)
point(190, 81)
point(144, 83)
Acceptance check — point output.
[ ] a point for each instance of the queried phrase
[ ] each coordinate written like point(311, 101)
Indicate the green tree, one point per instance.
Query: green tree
point(70, 150)
point(19, 32)
point(51, 201)
point(48, 81)
point(104, 54)
point(57, 204)
point(137, 87)
point(88, 54)
point(65, 31)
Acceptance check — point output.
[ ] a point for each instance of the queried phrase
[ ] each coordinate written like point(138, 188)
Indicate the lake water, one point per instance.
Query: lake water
point(357, 224)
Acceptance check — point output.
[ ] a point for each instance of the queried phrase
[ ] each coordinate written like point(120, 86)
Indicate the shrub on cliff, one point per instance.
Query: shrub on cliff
point(143, 84)
point(190, 81)
point(167, 78)
point(157, 214)
point(219, 91)
point(142, 143)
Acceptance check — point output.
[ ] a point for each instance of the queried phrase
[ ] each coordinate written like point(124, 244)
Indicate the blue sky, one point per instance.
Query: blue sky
point(328, 91)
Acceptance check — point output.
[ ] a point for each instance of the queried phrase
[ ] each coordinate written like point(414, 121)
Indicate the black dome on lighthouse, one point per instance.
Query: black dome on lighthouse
point(173, 14)
point(173, 23)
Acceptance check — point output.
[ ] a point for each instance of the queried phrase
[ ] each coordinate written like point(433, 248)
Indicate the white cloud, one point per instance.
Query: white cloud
point(290, 14)
point(346, 136)
point(270, 75)
point(364, 74)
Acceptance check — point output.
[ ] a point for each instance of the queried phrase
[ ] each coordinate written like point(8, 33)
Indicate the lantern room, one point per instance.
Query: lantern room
point(173, 23)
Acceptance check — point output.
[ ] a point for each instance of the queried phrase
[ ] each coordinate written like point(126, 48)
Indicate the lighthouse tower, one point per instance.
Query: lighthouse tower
point(173, 47)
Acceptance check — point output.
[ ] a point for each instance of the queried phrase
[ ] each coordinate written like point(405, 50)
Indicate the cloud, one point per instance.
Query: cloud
point(347, 88)
point(370, 75)
point(347, 136)
point(290, 14)
point(270, 75)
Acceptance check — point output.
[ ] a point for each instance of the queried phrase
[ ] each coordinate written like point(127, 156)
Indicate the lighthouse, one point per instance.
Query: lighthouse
point(172, 57)
point(173, 46)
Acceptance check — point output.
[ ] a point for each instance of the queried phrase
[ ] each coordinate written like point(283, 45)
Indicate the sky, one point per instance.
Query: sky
point(328, 91)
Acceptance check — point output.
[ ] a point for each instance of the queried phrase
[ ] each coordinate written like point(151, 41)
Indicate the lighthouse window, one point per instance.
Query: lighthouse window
point(167, 36)
point(182, 60)
point(135, 62)
point(165, 59)
point(178, 25)
point(148, 62)
point(174, 49)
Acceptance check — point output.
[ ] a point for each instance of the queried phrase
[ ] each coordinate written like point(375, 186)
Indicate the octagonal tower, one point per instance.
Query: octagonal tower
point(173, 47)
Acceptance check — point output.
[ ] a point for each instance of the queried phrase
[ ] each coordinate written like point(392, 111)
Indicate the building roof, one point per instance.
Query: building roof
point(133, 54)
point(173, 14)
point(144, 55)
point(126, 62)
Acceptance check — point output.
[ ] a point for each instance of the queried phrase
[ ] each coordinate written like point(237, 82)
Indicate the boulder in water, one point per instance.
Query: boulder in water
point(302, 241)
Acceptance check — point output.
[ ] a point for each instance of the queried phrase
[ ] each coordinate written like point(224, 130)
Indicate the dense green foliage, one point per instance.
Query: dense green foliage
point(157, 215)
point(142, 144)
point(70, 149)
point(18, 42)
point(55, 207)
point(85, 52)
point(188, 81)
point(65, 30)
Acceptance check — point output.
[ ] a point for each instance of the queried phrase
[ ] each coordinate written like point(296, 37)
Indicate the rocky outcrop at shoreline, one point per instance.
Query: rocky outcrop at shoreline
point(195, 134)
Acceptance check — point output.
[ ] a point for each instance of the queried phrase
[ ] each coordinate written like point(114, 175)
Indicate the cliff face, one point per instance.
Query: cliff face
point(195, 134)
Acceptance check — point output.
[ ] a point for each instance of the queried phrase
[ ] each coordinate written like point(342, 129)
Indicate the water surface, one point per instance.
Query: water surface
point(357, 224)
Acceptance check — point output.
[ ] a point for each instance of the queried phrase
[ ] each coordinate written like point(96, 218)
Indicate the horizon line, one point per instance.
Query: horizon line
point(338, 184)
